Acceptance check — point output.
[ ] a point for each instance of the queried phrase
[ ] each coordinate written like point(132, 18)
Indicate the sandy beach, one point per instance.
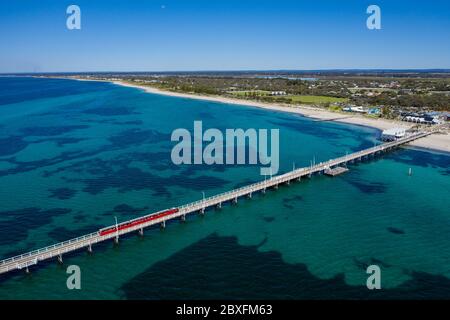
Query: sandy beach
point(436, 142)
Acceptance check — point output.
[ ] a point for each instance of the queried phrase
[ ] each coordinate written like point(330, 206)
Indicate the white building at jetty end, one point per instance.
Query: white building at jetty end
point(393, 134)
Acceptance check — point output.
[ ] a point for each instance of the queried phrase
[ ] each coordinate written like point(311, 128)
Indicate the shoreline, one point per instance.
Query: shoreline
point(436, 142)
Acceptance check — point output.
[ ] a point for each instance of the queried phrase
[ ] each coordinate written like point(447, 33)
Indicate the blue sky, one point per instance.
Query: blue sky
point(168, 35)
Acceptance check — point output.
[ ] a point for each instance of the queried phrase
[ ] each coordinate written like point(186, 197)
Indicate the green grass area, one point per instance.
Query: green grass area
point(304, 99)
point(250, 92)
point(316, 99)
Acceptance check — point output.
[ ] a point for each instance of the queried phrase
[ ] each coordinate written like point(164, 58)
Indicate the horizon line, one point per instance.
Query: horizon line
point(440, 70)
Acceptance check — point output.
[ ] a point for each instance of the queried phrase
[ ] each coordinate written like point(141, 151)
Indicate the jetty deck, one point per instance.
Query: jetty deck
point(24, 261)
point(332, 172)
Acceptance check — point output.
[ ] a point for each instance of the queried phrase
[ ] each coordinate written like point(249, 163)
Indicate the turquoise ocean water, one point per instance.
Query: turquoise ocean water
point(75, 154)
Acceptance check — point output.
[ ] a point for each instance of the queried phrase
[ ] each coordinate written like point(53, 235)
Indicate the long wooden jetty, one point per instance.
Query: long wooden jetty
point(24, 261)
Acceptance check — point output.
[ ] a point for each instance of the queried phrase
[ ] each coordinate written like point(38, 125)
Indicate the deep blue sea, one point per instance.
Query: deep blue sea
point(75, 154)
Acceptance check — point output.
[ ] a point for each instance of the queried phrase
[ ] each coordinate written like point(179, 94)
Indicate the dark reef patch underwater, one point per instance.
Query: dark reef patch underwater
point(219, 268)
point(395, 230)
point(62, 193)
point(16, 224)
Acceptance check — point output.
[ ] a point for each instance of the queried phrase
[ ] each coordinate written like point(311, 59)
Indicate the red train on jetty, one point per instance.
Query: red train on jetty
point(136, 222)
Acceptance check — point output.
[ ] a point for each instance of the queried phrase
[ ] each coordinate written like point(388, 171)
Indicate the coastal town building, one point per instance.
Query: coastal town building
point(393, 134)
point(278, 93)
point(431, 118)
point(358, 109)
point(374, 111)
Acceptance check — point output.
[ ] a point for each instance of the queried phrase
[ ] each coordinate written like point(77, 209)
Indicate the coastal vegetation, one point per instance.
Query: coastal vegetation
point(285, 98)
point(389, 95)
